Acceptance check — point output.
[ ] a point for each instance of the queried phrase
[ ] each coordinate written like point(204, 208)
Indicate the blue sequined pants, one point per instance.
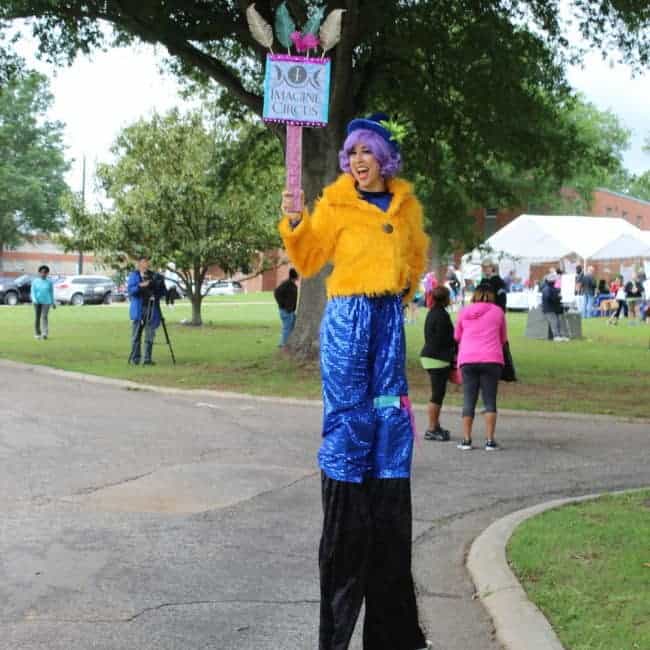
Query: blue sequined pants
point(366, 432)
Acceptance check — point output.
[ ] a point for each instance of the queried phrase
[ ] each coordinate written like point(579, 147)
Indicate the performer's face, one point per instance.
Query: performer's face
point(365, 169)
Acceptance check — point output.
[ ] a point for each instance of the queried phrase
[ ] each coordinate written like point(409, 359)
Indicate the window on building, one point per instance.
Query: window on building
point(490, 221)
point(639, 220)
point(609, 212)
point(624, 215)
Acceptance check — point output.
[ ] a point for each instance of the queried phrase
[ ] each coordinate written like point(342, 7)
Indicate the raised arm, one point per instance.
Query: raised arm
point(309, 239)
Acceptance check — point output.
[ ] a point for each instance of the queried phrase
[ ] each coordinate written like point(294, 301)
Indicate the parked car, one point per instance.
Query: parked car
point(120, 294)
point(16, 290)
point(222, 288)
point(84, 289)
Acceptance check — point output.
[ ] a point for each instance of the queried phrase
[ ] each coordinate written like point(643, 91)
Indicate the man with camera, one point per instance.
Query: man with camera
point(145, 289)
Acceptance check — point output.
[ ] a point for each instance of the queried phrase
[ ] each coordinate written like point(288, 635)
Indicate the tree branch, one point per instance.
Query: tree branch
point(217, 71)
point(168, 36)
point(183, 49)
point(342, 99)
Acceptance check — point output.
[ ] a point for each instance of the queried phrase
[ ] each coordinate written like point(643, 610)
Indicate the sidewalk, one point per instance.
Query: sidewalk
point(138, 519)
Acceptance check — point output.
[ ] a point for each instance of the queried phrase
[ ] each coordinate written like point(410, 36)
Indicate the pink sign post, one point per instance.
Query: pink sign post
point(293, 161)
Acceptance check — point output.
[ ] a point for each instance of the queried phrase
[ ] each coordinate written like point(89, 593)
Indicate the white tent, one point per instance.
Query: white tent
point(545, 238)
point(646, 235)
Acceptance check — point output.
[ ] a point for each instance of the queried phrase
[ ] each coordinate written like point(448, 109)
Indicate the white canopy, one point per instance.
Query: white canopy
point(545, 238)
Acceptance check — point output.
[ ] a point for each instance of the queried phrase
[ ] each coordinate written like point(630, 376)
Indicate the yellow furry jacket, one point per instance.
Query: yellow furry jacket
point(373, 252)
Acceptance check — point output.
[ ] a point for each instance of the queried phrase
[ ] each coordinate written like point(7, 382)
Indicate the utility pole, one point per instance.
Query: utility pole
point(80, 264)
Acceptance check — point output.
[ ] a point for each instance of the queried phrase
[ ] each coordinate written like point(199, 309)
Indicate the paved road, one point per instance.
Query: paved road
point(138, 520)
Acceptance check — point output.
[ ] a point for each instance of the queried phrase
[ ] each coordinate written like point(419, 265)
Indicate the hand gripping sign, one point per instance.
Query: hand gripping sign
point(296, 88)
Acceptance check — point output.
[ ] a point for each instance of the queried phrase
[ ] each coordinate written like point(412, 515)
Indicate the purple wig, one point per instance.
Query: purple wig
point(390, 161)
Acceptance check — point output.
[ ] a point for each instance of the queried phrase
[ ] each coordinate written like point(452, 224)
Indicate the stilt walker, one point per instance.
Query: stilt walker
point(368, 224)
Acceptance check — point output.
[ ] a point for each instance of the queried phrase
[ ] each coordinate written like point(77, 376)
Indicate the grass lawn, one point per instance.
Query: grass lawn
point(607, 372)
point(587, 567)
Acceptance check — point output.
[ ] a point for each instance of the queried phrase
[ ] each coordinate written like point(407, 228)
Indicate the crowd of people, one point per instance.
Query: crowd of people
point(614, 297)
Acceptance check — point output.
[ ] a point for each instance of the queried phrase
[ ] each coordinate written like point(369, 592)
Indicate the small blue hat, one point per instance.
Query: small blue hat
point(372, 123)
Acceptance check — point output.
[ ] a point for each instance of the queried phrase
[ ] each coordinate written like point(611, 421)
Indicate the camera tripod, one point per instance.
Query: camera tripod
point(145, 320)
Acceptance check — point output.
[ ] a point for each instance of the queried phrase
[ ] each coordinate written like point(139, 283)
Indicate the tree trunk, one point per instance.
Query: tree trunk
point(196, 299)
point(320, 167)
point(435, 261)
point(196, 296)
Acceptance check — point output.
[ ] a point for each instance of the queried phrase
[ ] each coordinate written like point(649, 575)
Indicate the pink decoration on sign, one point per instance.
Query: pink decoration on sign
point(304, 43)
point(311, 41)
point(294, 164)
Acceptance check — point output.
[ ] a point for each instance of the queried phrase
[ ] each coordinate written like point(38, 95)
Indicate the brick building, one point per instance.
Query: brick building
point(266, 281)
point(613, 204)
point(605, 203)
point(28, 256)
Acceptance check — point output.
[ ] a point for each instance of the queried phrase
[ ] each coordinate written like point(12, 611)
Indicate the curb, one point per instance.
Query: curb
point(519, 624)
point(167, 390)
point(290, 401)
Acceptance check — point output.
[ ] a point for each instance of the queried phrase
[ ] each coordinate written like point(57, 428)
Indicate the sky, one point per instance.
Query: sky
point(99, 95)
point(614, 87)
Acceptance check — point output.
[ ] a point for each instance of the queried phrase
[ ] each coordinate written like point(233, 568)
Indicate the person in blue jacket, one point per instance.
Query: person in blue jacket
point(42, 294)
point(144, 295)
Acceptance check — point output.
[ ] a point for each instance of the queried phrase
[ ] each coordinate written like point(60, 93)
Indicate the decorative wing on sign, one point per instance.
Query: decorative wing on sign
point(330, 32)
point(262, 32)
point(284, 25)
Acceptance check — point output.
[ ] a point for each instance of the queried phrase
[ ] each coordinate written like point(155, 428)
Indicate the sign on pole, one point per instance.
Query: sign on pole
point(296, 88)
point(296, 93)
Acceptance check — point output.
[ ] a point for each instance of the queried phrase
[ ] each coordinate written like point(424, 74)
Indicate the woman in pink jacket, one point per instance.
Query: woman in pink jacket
point(481, 334)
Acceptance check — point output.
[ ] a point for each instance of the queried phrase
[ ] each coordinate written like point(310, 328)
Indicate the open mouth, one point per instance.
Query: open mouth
point(362, 173)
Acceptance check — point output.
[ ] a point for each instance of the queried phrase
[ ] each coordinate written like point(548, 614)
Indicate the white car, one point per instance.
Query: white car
point(222, 288)
point(84, 289)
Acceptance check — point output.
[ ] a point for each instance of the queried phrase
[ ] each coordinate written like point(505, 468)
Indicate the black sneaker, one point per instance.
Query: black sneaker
point(491, 445)
point(148, 362)
point(439, 434)
point(465, 445)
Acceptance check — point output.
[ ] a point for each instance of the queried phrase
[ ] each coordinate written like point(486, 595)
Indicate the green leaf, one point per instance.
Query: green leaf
point(398, 131)
point(284, 25)
point(313, 23)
